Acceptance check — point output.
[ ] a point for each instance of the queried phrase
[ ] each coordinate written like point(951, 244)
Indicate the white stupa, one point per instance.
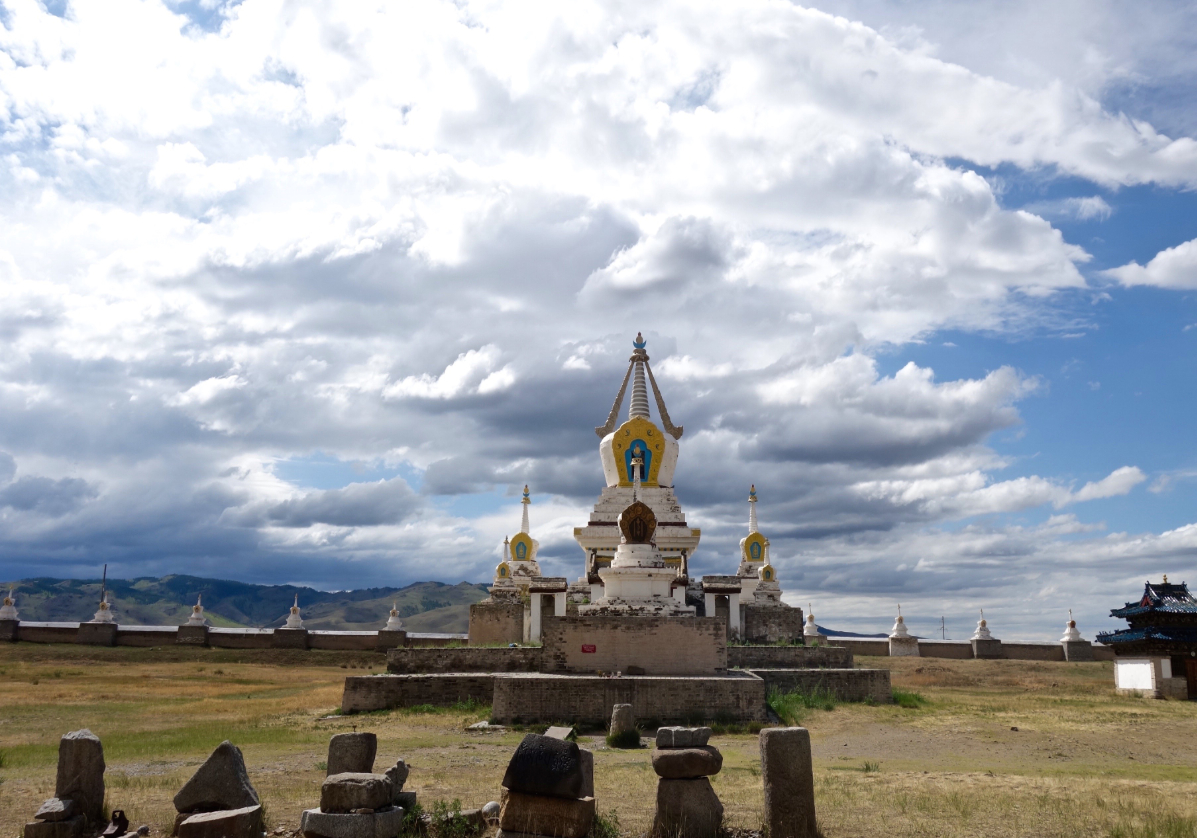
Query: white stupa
point(901, 642)
point(197, 613)
point(8, 611)
point(393, 621)
point(654, 447)
point(982, 632)
point(104, 614)
point(810, 631)
point(294, 621)
point(1070, 631)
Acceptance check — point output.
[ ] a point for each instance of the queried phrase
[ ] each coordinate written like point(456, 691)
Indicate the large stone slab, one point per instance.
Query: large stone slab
point(57, 809)
point(343, 793)
point(81, 773)
point(687, 763)
point(73, 828)
point(545, 766)
point(220, 783)
point(557, 817)
point(687, 809)
point(316, 824)
point(352, 753)
point(245, 822)
point(789, 781)
point(683, 737)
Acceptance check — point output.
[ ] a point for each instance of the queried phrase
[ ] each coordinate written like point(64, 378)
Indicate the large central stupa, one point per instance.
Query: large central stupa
point(627, 570)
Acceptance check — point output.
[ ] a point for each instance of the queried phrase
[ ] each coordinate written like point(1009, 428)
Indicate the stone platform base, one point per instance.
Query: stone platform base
point(316, 824)
point(845, 684)
point(588, 699)
point(365, 693)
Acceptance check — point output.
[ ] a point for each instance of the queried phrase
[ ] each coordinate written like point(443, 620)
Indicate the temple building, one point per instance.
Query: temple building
point(1157, 654)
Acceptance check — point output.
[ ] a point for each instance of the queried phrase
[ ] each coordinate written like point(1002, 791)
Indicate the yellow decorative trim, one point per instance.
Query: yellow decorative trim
point(524, 539)
point(746, 547)
point(503, 571)
point(767, 573)
point(627, 433)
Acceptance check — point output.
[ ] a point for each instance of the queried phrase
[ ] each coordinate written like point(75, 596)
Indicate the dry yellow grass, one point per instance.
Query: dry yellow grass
point(1082, 762)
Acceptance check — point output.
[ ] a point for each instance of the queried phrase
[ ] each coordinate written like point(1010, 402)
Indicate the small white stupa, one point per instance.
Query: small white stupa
point(8, 611)
point(197, 613)
point(294, 621)
point(982, 632)
point(901, 642)
point(104, 614)
point(1070, 632)
point(393, 621)
point(810, 631)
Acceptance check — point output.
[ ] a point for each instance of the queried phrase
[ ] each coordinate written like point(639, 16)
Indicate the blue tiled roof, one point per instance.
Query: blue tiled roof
point(1176, 634)
point(1163, 597)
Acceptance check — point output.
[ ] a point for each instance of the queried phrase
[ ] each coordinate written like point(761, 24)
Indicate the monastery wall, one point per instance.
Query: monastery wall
point(365, 693)
point(863, 646)
point(788, 657)
point(635, 645)
point(464, 659)
point(845, 684)
point(496, 623)
point(738, 697)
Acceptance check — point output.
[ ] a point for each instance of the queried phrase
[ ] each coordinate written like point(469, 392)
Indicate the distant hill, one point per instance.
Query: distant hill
point(424, 606)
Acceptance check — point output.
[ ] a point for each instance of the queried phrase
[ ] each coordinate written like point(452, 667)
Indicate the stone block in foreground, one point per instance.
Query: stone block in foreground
point(343, 793)
point(81, 773)
point(556, 817)
point(789, 781)
point(316, 824)
point(688, 808)
point(231, 823)
point(352, 753)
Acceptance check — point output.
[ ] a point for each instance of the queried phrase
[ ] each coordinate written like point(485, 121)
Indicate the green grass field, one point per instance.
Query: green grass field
point(1083, 761)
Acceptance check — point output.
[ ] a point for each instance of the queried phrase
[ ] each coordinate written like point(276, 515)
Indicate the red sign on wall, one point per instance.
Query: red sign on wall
point(589, 648)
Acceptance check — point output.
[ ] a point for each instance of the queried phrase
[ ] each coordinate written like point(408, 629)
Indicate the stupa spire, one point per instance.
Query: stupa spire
point(638, 364)
point(527, 501)
point(752, 510)
point(639, 404)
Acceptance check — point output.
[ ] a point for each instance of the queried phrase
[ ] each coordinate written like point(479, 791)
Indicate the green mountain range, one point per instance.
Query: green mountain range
point(424, 606)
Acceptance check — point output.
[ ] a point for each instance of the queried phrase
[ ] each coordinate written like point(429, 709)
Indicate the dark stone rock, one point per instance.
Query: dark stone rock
point(687, 808)
point(789, 782)
point(587, 772)
point(76, 827)
point(81, 773)
point(352, 753)
point(687, 763)
point(220, 783)
point(245, 822)
point(57, 809)
point(545, 766)
point(343, 793)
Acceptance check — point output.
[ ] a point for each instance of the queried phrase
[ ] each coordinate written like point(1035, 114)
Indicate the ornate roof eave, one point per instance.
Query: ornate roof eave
point(641, 357)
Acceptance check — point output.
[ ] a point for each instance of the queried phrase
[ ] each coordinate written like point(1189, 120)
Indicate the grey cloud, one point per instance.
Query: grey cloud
point(356, 505)
point(45, 496)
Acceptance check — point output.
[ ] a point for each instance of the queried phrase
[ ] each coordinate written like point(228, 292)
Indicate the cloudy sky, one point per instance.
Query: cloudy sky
point(306, 291)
